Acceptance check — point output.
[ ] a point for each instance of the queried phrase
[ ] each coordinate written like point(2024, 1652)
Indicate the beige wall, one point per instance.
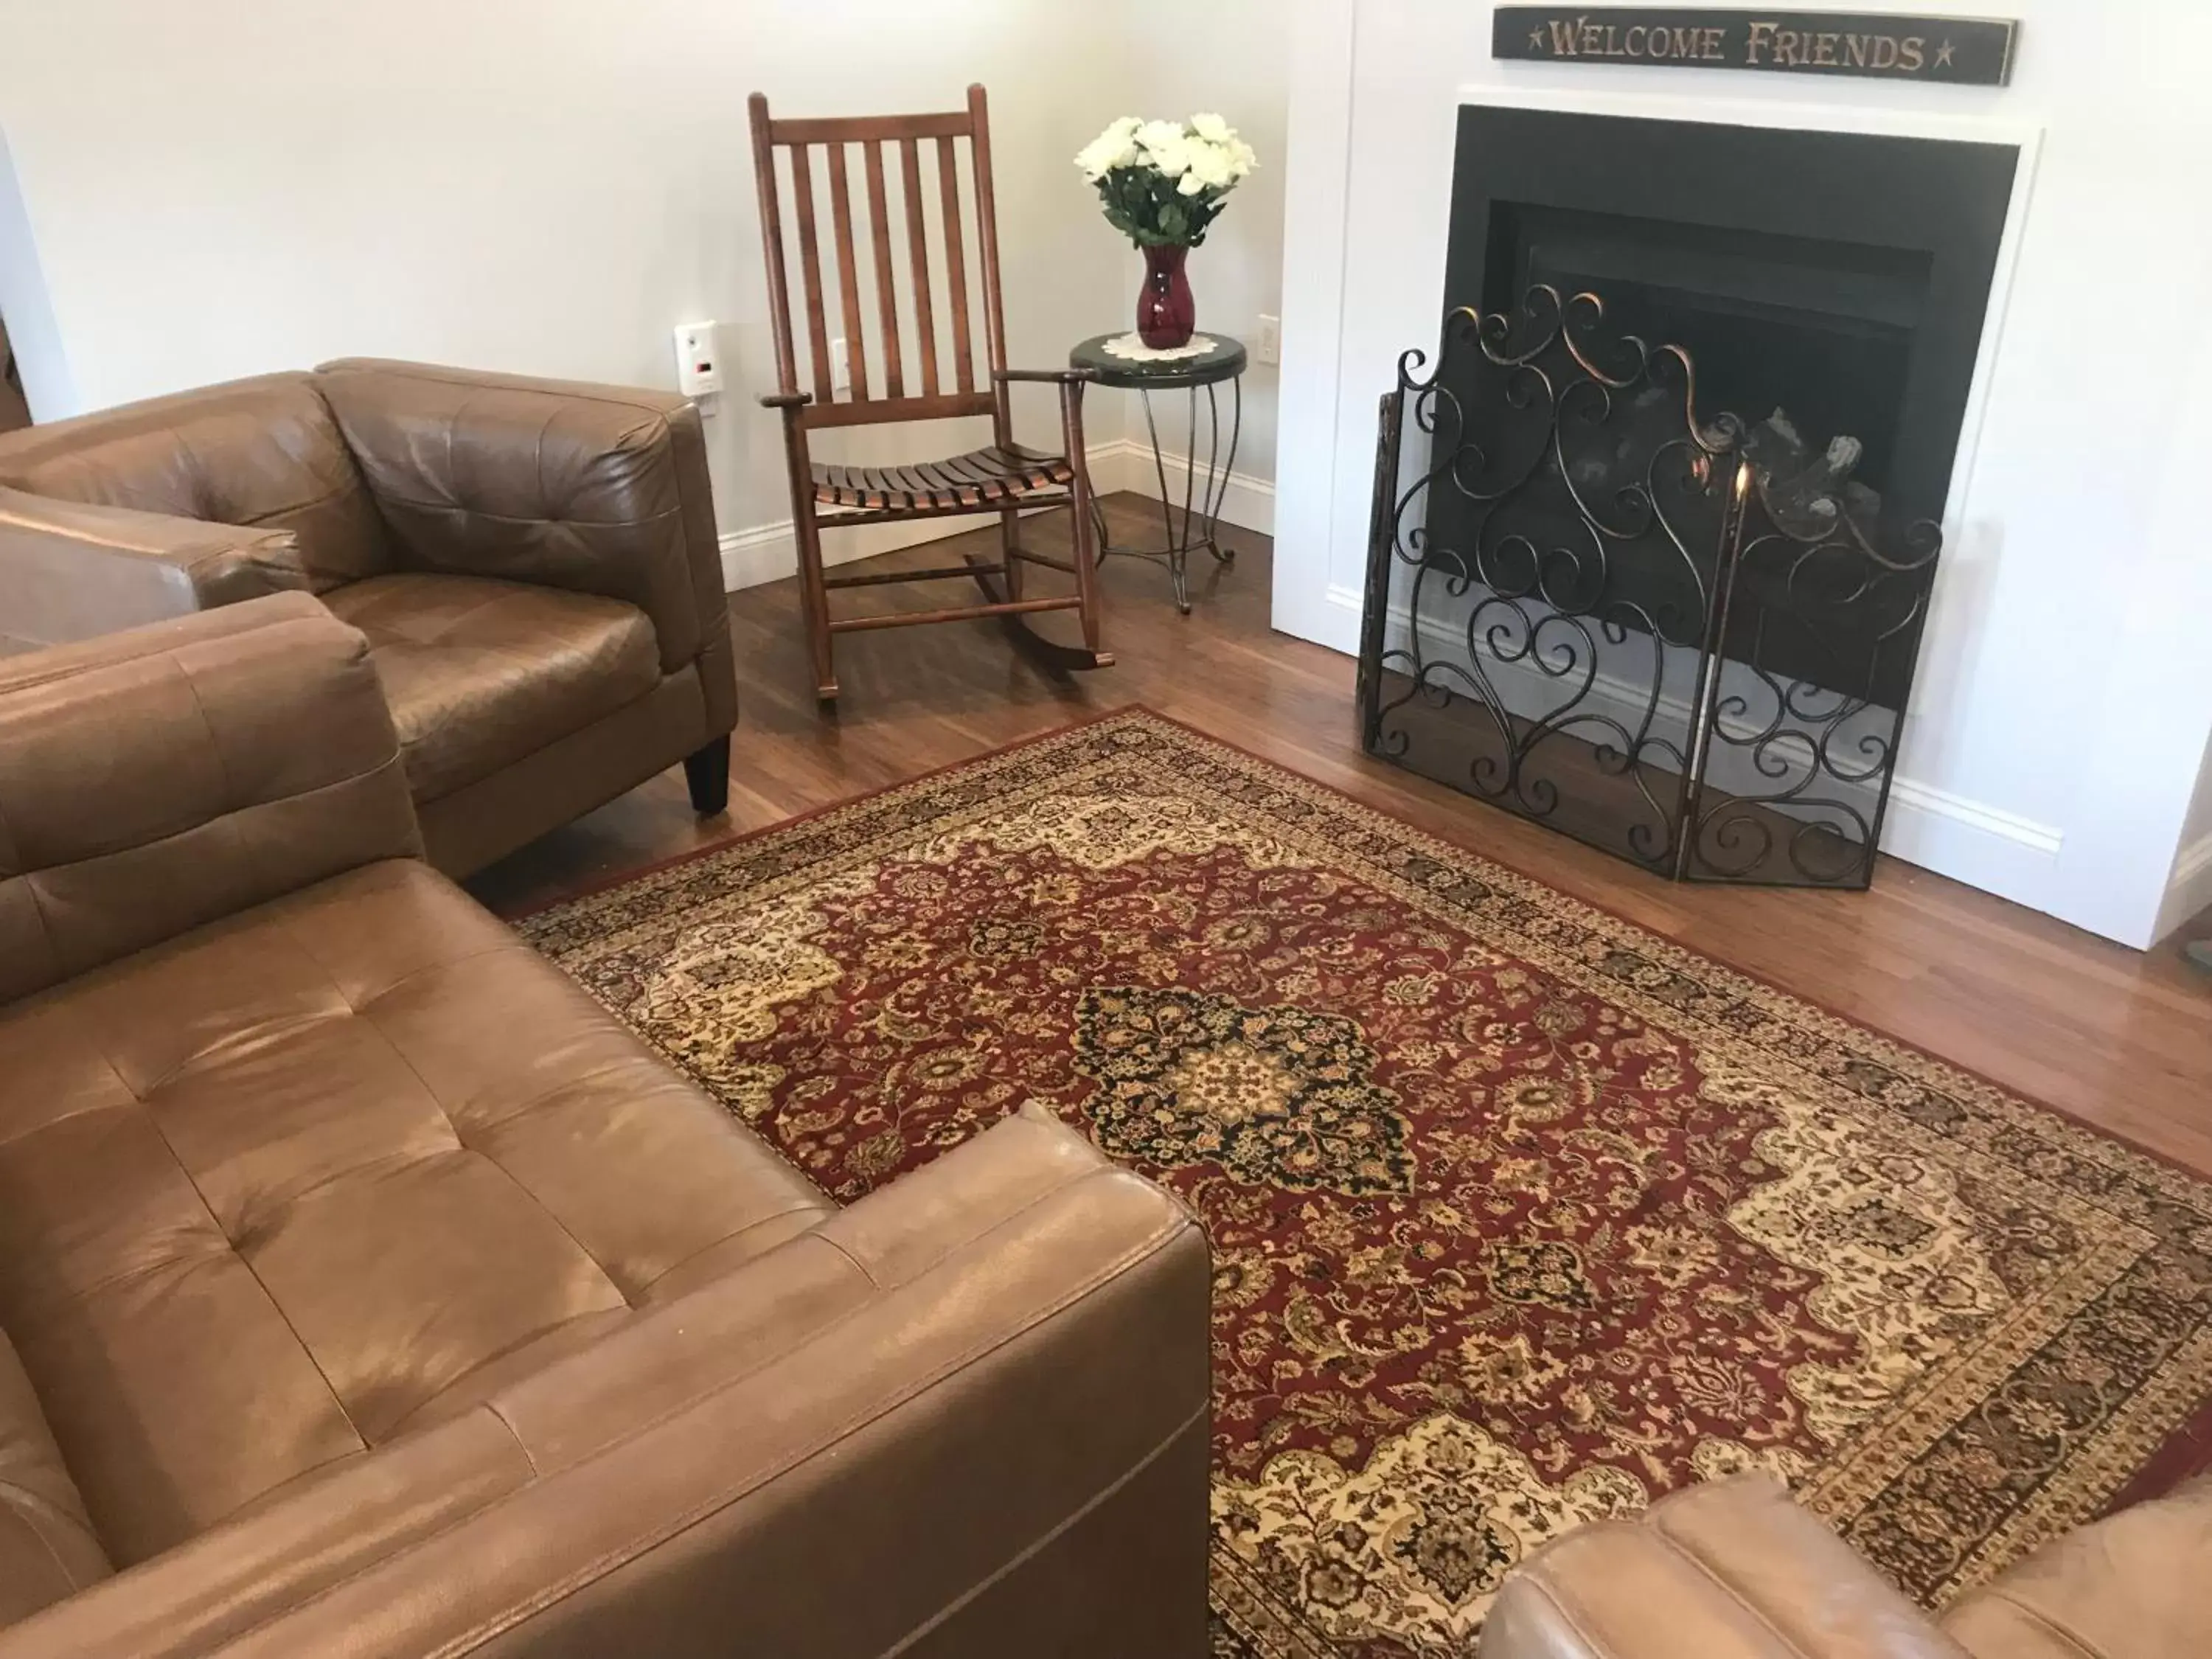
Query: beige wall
point(550, 186)
point(1232, 59)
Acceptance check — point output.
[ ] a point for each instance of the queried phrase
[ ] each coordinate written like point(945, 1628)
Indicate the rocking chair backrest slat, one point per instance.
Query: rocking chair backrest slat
point(896, 368)
point(917, 242)
point(810, 266)
point(880, 239)
point(948, 185)
point(848, 279)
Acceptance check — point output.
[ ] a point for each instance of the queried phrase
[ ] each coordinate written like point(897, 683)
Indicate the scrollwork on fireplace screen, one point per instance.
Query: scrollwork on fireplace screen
point(1588, 604)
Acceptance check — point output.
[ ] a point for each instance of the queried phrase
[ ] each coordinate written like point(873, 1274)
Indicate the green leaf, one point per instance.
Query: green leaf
point(1145, 205)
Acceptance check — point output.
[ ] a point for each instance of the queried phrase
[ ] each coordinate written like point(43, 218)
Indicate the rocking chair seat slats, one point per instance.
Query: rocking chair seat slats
point(977, 478)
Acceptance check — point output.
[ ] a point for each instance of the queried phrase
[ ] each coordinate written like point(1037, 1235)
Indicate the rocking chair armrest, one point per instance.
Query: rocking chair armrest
point(1057, 376)
point(786, 399)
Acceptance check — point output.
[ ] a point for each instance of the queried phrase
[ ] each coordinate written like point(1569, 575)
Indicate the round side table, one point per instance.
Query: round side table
point(1203, 487)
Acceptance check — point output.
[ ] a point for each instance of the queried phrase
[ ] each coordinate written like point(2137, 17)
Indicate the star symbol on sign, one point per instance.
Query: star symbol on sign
point(1944, 56)
point(1536, 37)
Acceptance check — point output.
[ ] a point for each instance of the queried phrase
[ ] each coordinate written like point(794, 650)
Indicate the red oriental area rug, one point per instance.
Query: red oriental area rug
point(1521, 1215)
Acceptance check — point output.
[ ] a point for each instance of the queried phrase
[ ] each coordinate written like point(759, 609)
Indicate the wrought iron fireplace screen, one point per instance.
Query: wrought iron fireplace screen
point(1687, 642)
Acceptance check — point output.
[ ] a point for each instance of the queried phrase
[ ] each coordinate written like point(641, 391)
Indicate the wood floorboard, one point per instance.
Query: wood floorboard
point(2119, 1038)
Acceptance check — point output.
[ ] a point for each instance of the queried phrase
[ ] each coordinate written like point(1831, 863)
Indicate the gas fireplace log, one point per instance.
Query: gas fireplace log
point(1807, 494)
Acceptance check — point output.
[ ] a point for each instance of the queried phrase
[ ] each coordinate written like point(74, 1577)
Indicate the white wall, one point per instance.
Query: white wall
point(2063, 707)
point(545, 186)
point(1234, 59)
point(33, 334)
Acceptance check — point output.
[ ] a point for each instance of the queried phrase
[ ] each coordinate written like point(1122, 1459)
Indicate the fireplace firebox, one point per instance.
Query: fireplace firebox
point(1653, 542)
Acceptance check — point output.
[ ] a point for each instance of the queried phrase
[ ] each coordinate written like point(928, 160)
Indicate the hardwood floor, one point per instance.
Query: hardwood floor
point(2119, 1038)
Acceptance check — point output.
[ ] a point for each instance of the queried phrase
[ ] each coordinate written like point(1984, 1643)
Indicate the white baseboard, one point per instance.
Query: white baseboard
point(1246, 501)
point(769, 552)
point(1983, 845)
point(2189, 891)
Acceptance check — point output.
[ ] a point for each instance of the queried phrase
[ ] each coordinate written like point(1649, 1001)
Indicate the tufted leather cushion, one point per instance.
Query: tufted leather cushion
point(593, 489)
point(480, 673)
point(379, 1295)
point(147, 784)
point(263, 452)
point(338, 1166)
point(47, 1550)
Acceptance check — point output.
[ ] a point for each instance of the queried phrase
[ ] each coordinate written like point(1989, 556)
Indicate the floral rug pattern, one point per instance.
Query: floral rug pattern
point(1520, 1216)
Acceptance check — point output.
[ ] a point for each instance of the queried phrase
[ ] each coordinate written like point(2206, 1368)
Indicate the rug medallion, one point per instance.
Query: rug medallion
point(1520, 1215)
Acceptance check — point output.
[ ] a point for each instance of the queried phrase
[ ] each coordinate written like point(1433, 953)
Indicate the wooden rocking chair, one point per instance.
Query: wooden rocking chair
point(1004, 478)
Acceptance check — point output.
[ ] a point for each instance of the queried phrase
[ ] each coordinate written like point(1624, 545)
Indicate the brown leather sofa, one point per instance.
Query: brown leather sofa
point(1736, 1571)
point(534, 563)
point(365, 1289)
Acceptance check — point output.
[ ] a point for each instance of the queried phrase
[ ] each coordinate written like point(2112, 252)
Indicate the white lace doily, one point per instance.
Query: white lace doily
point(1132, 347)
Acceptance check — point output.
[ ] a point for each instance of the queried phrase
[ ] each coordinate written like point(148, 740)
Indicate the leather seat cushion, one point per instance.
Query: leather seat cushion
point(264, 452)
point(480, 672)
point(2133, 1586)
point(282, 1188)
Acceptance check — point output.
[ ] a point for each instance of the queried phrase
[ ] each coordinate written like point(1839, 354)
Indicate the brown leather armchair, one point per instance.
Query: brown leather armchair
point(534, 563)
point(368, 1291)
point(1736, 1571)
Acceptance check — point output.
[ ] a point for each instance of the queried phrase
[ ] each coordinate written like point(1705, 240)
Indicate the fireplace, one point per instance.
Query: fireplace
point(1653, 543)
point(1844, 275)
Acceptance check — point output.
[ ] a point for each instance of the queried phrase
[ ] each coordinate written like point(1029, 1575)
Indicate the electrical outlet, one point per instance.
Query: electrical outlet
point(1269, 348)
point(841, 366)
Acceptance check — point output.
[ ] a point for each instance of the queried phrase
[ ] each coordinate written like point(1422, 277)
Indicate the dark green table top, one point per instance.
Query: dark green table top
point(1224, 362)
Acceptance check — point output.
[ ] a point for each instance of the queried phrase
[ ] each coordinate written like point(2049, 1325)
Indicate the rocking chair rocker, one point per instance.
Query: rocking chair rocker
point(1005, 478)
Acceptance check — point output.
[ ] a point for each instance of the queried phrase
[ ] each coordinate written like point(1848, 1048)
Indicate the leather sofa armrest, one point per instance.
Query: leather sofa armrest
point(71, 570)
point(969, 1412)
point(2134, 1582)
point(1731, 1570)
point(158, 779)
point(598, 489)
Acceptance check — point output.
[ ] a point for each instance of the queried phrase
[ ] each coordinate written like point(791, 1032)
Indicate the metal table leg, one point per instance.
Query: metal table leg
point(1200, 513)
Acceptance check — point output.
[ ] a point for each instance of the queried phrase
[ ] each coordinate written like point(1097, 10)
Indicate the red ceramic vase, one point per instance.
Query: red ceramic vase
point(1166, 312)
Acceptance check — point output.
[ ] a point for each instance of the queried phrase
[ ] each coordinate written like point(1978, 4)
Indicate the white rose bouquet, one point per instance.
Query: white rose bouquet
point(1162, 183)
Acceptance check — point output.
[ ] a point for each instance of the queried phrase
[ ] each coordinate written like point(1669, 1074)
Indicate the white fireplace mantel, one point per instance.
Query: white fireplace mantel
point(2064, 701)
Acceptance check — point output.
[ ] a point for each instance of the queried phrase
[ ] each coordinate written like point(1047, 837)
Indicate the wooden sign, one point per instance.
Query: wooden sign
point(1974, 51)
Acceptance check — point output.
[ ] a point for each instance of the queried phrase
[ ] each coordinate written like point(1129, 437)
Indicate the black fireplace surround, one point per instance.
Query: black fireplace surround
point(1604, 631)
point(1841, 275)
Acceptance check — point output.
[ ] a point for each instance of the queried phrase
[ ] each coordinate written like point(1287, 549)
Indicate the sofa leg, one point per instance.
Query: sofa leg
point(708, 773)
